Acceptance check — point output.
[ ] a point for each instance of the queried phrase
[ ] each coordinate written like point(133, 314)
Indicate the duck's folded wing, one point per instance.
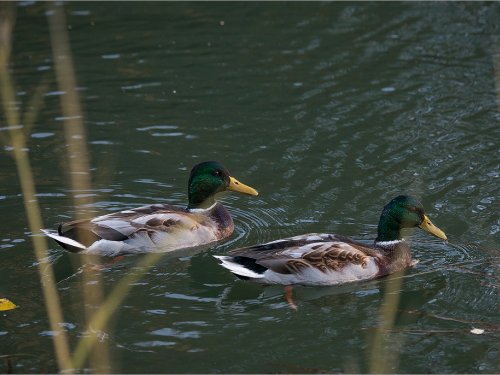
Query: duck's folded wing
point(283, 246)
point(331, 255)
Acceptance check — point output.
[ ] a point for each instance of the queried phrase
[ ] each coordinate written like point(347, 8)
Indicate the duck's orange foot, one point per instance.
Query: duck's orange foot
point(288, 297)
point(117, 259)
point(102, 267)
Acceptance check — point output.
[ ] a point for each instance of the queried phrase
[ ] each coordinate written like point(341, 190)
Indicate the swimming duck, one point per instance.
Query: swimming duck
point(329, 259)
point(159, 227)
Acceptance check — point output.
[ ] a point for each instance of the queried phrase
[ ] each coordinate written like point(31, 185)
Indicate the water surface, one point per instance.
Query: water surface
point(329, 110)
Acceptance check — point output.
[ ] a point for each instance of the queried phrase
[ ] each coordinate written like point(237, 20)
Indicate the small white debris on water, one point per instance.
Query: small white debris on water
point(111, 56)
point(477, 331)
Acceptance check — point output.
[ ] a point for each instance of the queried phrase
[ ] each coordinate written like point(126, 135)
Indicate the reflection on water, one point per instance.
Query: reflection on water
point(330, 110)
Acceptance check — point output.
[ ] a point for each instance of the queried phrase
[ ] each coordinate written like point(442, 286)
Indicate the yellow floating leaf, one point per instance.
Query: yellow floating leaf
point(5, 304)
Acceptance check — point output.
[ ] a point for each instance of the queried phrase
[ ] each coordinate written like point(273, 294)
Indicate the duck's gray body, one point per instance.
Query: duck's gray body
point(153, 228)
point(316, 259)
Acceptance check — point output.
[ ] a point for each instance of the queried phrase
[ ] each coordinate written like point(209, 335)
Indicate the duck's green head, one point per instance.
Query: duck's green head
point(404, 212)
point(209, 178)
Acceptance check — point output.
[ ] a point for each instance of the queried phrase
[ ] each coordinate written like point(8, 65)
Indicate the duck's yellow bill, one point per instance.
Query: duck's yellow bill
point(235, 185)
point(5, 304)
point(432, 229)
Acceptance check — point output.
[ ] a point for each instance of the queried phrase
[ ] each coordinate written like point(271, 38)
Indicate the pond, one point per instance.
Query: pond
point(329, 110)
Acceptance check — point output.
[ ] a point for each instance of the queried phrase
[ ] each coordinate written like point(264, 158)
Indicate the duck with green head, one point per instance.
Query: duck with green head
point(159, 227)
point(329, 259)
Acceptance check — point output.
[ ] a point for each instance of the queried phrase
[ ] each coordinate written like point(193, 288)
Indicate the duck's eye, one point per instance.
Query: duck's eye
point(217, 173)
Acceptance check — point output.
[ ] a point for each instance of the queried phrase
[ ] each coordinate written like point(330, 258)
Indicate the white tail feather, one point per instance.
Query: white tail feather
point(238, 269)
point(66, 240)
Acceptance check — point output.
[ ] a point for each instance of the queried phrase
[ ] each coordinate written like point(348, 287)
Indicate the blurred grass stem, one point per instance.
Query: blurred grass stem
point(382, 360)
point(100, 319)
point(79, 169)
point(21, 157)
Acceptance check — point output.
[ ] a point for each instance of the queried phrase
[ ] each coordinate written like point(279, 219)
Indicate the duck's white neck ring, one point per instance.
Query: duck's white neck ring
point(388, 244)
point(201, 210)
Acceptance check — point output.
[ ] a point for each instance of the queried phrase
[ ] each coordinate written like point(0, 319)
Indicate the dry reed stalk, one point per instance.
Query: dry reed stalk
point(113, 300)
point(382, 360)
point(75, 136)
point(21, 157)
point(80, 181)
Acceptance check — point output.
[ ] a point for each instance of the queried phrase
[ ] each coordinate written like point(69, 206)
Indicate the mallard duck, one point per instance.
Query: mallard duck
point(159, 227)
point(329, 259)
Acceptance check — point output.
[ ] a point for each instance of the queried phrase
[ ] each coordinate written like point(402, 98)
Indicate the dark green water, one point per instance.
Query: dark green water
point(329, 110)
